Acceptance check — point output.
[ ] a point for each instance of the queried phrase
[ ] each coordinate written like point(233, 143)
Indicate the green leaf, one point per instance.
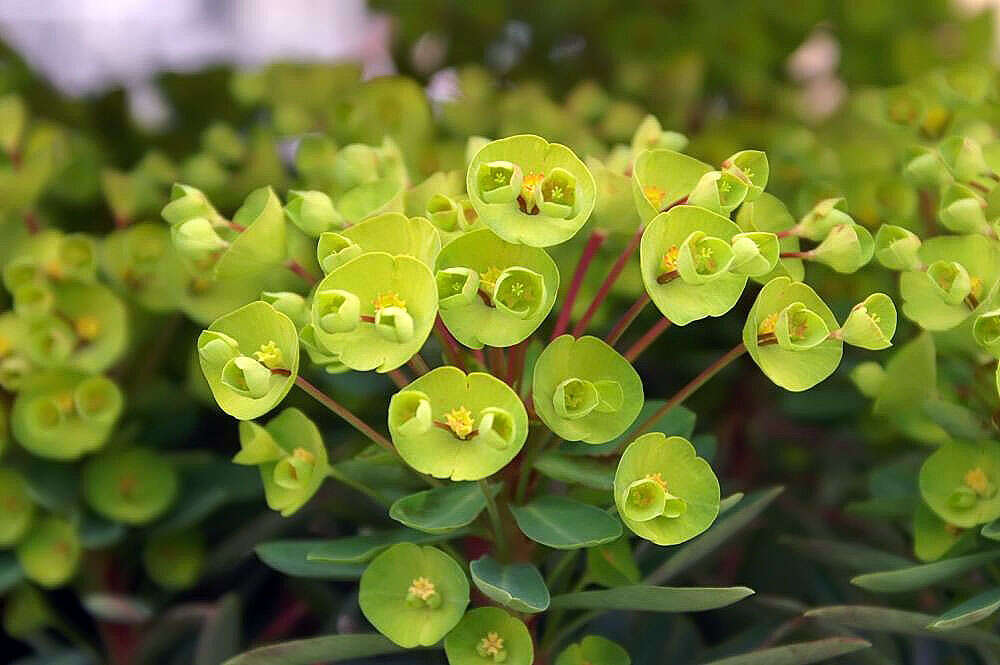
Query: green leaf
point(565, 524)
point(735, 520)
point(613, 564)
point(441, 509)
point(900, 622)
point(653, 598)
point(358, 549)
point(326, 649)
point(971, 611)
point(518, 586)
point(291, 557)
point(918, 577)
point(798, 654)
point(573, 469)
point(845, 555)
point(957, 420)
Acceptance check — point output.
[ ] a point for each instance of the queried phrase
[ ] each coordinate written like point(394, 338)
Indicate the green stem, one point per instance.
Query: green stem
point(559, 570)
point(687, 390)
point(528, 462)
point(500, 538)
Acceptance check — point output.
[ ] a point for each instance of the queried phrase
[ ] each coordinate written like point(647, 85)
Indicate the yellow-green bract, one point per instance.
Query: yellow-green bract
point(960, 481)
point(489, 635)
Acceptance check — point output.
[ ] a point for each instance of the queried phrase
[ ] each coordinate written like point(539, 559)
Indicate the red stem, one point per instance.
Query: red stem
point(341, 410)
point(299, 270)
point(449, 343)
point(795, 255)
point(648, 338)
point(497, 361)
point(398, 378)
point(594, 242)
point(609, 282)
point(627, 319)
point(31, 223)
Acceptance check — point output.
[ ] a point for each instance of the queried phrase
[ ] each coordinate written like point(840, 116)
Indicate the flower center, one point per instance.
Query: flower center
point(669, 261)
point(658, 479)
point(269, 355)
point(460, 422)
point(529, 183)
point(87, 327)
point(64, 401)
point(768, 325)
point(979, 482)
point(491, 645)
point(654, 195)
point(389, 299)
point(422, 588)
point(489, 278)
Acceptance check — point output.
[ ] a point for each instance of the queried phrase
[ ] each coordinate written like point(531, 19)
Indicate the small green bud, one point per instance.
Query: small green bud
point(410, 413)
point(556, 195)
point(77, 255)
point(50, 553)
point(951, 281)
point(444, 212)
point(964, 157)
point(197, 238)
point(499, 182)
point(720, 192)
point(173, 559)
point(496, 427)
point(312, 212)
point(247, 377)
point(394, 324)
point(645, 499)
point(846, 249)
point(50, 342)
point(823, 218)
point(986, 331)
point(963, 211)
point(98, 400)
point(897, 248)
point(868, 377)
point(702, 258)
point(798, 328)
point(217, 348)
point(293, 472)
point(754, 253)
point(334, 250)
point(335, 310)
point(13, 119)
point(21, 270)
point(224, 143)
point(456, 287)
point(925, 168)
point(519, 292)
point(186, 203)
point(18, 508)
point(355, 164)
point(134, 485)
point(33, 300)
point(871, 323)
point(575, 398)
point(290, 304)
point(751, 167)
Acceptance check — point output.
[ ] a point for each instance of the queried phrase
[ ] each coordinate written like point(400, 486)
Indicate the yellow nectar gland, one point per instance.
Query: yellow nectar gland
point(768, 325)
point(529, 183)
point(460, 422)
point(389, 299)
point(669, 261)
point(976, 287)
point(977, 480)
point(422, 588)
point(54, 269)
point(654, 195)
point(490, 645)
point(5, 347)
point(87, 327)
point(658, 479)
point(269, 355)
point(489, 278)
point(64, 401)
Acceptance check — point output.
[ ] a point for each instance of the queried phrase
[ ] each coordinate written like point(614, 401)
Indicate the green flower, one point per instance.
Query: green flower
point(489, 635)
point(788, 335)
point(986, 331)
point(50, 553)
point(513, 289)
point(391, 232)
point(19, 509)
point(822, 219)
point(375, 311)
point(897, 248)
point(413, 595)
point(685, 257)
point(451, 425)
point(959, 482)
point(174, 559)
point(143, 265)
point(846, 248)
point(248, 386)
point(290, 454)
point(963, 211)
point(871, 323)
point(64, 415)
point(665, 493)
point(134, 486)
point(261, 245)
point(718, 191)
point(594, 650)
point(585, 391)
point(752, 168)
point(530, 191)
point(961, 271)
point(964, 157)
point(769, 214)
point(662, 178)
point(188, 202)
point(650, 135)
point(614, 209)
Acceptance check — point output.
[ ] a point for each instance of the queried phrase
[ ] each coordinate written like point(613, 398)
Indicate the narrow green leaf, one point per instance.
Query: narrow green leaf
point(900, 622)
point(220, 636)
point(736, 519)
point(359, 549)
point(798, 654)
point(850, 556)
point(576, 470)
point(960, 422)
point(441, 509)
point(975, 609)
point(327, 649)
point(730, 502)
point(653, 598)
point(518, 586)
point(918, 577)
point(565, 524)
point(291, 558)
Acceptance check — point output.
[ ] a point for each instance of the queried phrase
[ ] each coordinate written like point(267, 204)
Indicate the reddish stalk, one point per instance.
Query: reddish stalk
point(497, 361)
point(795, 255)
point(515, 364)
point(648, 338)
point(609, 282)
point(299, 270)
point(687, 390)
point(627, 319)
point(594, 242)
point(449, 344)
point(478, 355)
point(31, 223)
point(398, 378)
point(418, 365)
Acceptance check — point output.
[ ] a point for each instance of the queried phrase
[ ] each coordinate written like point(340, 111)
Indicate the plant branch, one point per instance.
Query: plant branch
point(648, 338)
point(301, 271)
point(345, 413)
point(609, 282)
point(594, 242)
point(499, 537)
point(449, 344)
point(627, 319)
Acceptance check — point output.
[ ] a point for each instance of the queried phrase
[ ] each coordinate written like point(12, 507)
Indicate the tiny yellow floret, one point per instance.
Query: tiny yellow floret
point(460, 422)
point(389, 299)
point(269, 355)
point(768, 325)
point(489, 278)
point(422, 588)
point(977, 480)
point(654, 195)
point(658, 479)
point(87, 327)
point(669, 261)
point(490, 645)
point(529, 183)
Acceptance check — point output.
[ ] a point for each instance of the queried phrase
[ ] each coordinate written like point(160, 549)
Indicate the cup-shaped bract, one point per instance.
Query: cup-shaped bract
point(703, 286)
point(133, 485)
point(530, 191)
point(188, 202)
point(614, 210)
point(755, 253)
point(396, 302)
point(964, 157)
point(956, 265)
point(63, 415)
point(752, 168)
point(253, 381)
point(50, 553)
point(477, 424)
point(718, 191)
point(584, 390)
point(846, 248)
point(334, 250)
point(960, 482)
point(823, 218)
point(986, 331)
point(650, 135)
point(290, 454)
point(962, 210)
point(396, 234)
point(489, 635)
point(19, 509)
point(261, 245)
point(197, 240)
point(663, 178)
point(174, 559)
point(413, 595)
point(897, 248)
point(143, 265)
point(768, 214)
point(871, 323)
point(667, 473)
point(517, 287)
point(795, 365)
point(312, 212)
point(594, 650)
point(291, 304)
point(925, 168)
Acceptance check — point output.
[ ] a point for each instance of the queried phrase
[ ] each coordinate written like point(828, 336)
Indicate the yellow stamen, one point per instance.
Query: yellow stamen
point(64, 401)
point(658, 479)
point(490, 645)
point(5, 346)
point(489, 278)
point(303, 454)
point(87, 327)
point(269, 355)
point(768, 325)
point(977, 480)
point(422, 588)
point(54, 269)
point(669, 261)
point(529, 183)
point(389, 299)
point(459, 421)
point(976, 287)
point(654, 195)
